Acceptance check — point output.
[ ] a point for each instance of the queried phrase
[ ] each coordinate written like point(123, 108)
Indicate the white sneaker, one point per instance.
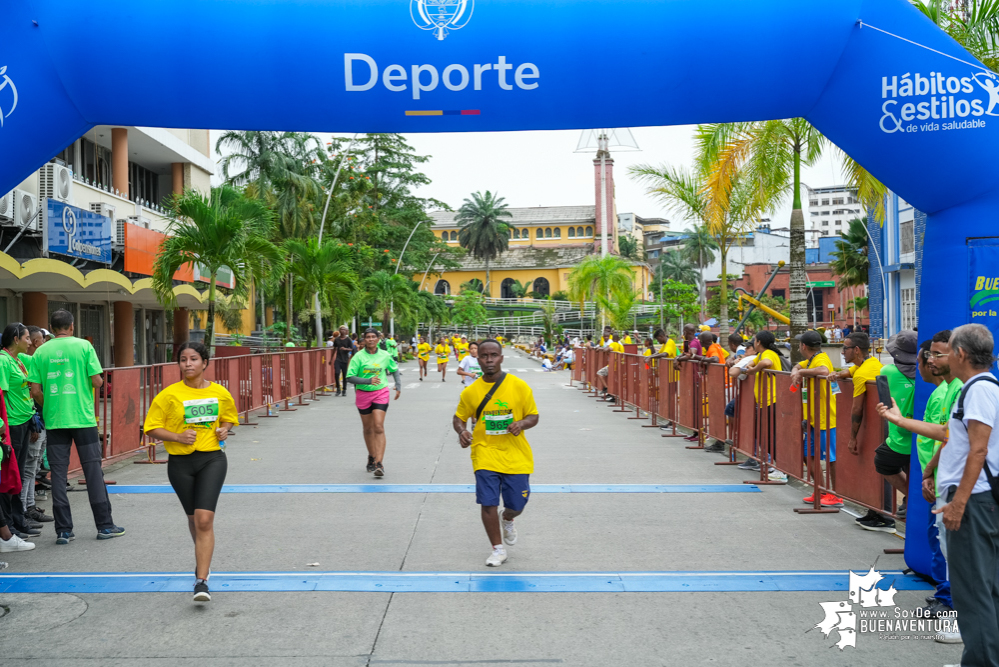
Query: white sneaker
point(497, 557)
point(775, 475)
point(15, 543)
point(509, 532)
point(950, 635)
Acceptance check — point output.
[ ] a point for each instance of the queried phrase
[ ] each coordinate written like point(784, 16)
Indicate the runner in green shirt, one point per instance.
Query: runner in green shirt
point(367, 372)
point(17, 397)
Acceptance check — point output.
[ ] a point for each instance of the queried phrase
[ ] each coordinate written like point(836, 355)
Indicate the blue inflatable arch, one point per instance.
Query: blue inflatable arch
point(874, 76)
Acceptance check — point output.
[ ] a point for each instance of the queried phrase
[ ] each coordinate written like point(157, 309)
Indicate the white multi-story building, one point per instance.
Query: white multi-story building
point(829, 212)
point(82, 233)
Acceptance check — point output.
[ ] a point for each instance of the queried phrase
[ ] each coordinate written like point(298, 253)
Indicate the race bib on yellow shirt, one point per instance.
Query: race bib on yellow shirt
point(201, 411)
point(498, 422)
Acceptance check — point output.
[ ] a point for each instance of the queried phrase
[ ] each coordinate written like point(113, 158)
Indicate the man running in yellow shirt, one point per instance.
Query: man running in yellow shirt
point(502, 408)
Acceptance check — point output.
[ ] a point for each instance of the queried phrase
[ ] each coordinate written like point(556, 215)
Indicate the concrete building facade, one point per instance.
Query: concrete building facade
point(830, 210)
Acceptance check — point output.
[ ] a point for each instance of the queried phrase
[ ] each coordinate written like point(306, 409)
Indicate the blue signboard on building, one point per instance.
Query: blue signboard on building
point(74, 232)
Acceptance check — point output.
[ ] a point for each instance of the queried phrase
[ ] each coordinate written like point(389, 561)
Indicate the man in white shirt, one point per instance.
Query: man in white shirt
point(971, 514)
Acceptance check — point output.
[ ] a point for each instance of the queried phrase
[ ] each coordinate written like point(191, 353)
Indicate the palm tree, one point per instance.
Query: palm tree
point(483, 232)
point(699, 248)
point(976, 28)
point(600, 277)
point(223, 229)
point(388, 292)
point(673, 265)
point(618, 308)
point(520, 289)
point(771, 154)
point(727, 211)
point(850, 261)
point(324, 270)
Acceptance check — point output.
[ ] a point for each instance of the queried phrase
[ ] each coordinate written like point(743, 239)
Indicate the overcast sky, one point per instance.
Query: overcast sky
point(542, 169)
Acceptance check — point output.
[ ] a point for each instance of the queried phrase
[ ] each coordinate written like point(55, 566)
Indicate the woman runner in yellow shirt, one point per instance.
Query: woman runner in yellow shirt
point(193, 418)
point(442, 351)
point(423, 354)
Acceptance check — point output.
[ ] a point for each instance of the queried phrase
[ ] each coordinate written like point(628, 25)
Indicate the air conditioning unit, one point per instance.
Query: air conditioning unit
point(7, 207)
point(25, 207)
point(55, 181)
point(145, 223)
point(119, 233)
point(100, 208)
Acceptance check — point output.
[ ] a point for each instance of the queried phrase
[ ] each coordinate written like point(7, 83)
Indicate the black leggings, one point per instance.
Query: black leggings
point(197, 479)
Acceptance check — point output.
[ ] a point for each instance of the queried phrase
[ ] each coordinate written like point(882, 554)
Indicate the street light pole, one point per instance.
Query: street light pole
point(322, 224)
point(398, 264)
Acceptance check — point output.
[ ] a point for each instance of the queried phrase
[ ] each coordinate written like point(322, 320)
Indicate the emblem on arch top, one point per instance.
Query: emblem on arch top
point(441, 16)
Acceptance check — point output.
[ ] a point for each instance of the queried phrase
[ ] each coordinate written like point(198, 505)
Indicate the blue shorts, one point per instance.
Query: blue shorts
point(824, 435)
point(516, 489)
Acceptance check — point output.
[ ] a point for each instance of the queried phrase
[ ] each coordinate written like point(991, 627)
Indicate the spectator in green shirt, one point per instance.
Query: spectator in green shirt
point(64, 374)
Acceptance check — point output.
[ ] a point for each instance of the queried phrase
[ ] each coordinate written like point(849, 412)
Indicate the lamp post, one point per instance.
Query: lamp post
point(398, 264)
point(322, 224)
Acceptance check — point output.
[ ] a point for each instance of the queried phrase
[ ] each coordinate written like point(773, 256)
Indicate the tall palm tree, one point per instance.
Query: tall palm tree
point(771, 154)
point(483, 231)
point(223, 229)
point(599, 277)
point(673, 265)
point(728, 211)
point(387, 291)
point(850, 261)
point(699, 247)
point(325, 270)
point(618, 307)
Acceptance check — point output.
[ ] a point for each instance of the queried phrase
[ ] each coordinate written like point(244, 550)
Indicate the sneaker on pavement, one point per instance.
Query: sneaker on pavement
point(937, 608)
point(371, 463)
point(951, 636)
point(775, 475)
point(379, 469)
point(38, 514)
point(32, 525)
point(831, 500)
point(879, 524)
point(26, 532)
point(900, 512)
point(715, 447)
point(509, 532)
point(201, 593)
point(693, 437)
point(871, 514)
point(749, 464)
point(497, 557)
point(109, 533)
point(15, 543)
point(809, 500)
point(65, 537)
point(3, 565)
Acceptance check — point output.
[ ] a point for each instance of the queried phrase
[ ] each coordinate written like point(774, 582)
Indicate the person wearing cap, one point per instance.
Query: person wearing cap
point(462, 348)
point(819, 409)
point(891, 458)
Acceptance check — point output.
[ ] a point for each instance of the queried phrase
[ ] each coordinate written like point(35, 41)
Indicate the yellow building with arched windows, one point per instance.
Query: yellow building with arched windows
point(546, 243)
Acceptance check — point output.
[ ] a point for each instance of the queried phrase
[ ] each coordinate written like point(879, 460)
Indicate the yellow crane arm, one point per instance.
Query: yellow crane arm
point(769, 311)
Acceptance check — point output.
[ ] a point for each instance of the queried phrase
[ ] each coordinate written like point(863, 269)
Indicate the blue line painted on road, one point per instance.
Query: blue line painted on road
point(451, 488)
point(451, 582)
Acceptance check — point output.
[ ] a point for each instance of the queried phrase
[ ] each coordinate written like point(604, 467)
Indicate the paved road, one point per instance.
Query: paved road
point(577, 442)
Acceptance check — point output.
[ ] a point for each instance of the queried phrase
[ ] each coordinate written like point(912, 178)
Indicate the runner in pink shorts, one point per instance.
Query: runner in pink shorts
point(368, 372)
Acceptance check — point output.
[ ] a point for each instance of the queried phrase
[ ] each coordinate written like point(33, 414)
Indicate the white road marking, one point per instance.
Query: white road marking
point(412, 385)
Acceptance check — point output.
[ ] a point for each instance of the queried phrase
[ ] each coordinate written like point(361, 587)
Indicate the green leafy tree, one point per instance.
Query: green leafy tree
point(473, 285)
point(715, 295)
point(850, 261)
point(483, 231)
point(599, 277)
point(325, 270)
point(520, 289)
point(469, 310)
point(618, 307)
point(674, 265)
point(679, 302)
point(974, 24)
point(387, 292)
point(222, 229)
point(699, 247)
point(629, 247)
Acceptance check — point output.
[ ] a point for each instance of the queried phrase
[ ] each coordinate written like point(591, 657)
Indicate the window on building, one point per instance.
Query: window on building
point(579, 231)
point(557, 233)
point(839, 222)
point(910, 317)
point(541, 233)
point(95, 163)
point(505, 289)
point(442, 287)
point(852, 200)
point(815, 212)
point(541, 287)
point(143, 184)
point(825, 212)
point(813, 202)
point(825, 202)
point(814, 305)
point(572, 232)
point(825, 223)
point(589, 231)
point(516, 233)
point(825, 232)
point(454, 236)
point(778, 293)
point(837, 201)
point(548, 232)
point(906, 237)
point(444, 235)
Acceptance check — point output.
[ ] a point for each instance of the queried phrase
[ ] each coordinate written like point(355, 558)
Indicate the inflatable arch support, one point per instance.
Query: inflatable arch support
point(874, 76)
